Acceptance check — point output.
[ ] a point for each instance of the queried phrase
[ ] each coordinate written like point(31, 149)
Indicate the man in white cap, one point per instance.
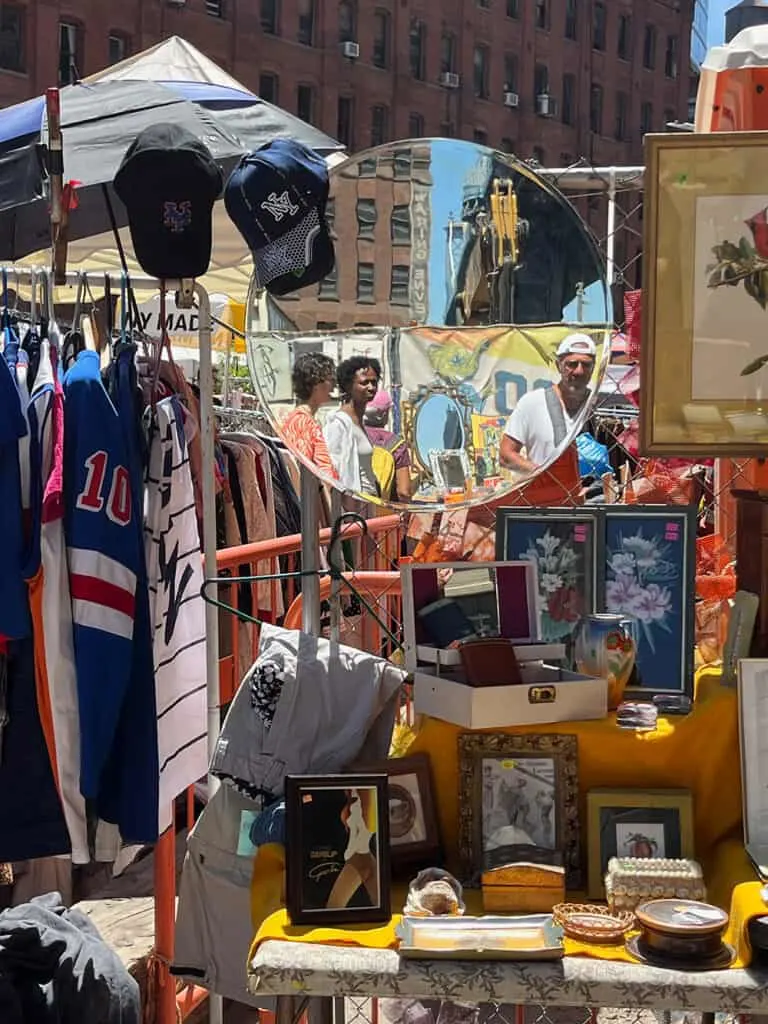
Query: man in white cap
point(545, 417)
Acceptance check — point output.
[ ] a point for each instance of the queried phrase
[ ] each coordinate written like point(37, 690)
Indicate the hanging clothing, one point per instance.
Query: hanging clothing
point(102, 524)
point(130, 786)
point(15, 620)
point(31, 821)
point(175, 577)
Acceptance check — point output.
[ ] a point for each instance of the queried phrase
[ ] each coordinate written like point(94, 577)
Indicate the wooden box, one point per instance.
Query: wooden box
point(523, 889)
point(631, 881)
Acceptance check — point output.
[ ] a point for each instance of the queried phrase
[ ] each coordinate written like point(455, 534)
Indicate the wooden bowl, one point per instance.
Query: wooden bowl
point(681, 929)
point(587, 923)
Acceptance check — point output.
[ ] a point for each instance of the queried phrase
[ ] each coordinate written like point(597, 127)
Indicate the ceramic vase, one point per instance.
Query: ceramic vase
point(605, 647)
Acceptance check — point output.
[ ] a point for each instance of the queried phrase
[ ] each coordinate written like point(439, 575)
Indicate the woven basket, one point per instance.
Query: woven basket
point(588, 923)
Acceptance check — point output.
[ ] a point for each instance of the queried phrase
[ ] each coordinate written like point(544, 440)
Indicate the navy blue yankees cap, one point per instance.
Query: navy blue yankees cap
point(276, 198)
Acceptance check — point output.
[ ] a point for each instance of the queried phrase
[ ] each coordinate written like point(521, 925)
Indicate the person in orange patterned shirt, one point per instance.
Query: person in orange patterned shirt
point(314, 377)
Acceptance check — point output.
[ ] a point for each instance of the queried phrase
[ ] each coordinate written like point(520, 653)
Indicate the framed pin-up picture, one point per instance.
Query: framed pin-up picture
point(563, 546)
point(704, 357)
point(337, 846)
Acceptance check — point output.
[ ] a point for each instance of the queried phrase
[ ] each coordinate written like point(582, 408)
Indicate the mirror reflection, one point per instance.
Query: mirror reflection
point(464, 285)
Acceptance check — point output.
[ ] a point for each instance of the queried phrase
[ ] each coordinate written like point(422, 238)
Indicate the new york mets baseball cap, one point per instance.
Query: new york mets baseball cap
point(276, 197)
point(168, 182)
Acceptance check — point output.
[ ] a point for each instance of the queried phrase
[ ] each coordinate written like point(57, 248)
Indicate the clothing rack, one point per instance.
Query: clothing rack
point(188, 292)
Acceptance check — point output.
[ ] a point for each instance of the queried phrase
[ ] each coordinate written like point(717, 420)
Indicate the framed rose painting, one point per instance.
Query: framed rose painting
point(562, 545)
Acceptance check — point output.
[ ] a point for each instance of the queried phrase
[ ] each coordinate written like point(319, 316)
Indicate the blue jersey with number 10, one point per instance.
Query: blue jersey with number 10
point(104, 558)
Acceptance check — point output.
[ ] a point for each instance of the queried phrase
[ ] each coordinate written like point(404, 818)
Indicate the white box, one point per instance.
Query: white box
point(548, 695)
point(451, 656)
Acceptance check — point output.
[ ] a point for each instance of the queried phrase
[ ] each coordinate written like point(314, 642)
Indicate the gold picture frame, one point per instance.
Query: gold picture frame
point(636, 823)
point(518, 802)
point(704, 359)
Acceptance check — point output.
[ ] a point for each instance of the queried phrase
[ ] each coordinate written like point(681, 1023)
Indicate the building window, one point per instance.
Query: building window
point(542, 14)
point(507, 145)
point(381, 39)
point(305, 103)
point(269, 87)
point(620, 127)
point(13, 43)
point(329, 286)
point(670, 57)
point(365, 282)
point(379, 125)
point(215, 8)
point(480, 136)
point(118, 48)
point(513, 8)
point(649, 47)
point(598, 26)
point(366, 218)
point(481, 72)
point(270, 17)
point(400, 225)
point(571, 20)
point(569, 98)
point(344, 121)
point(306, 32)
point(415, 126)
point(646, 117)
point(447, 53)
point(327, 325)
point(624, 43)
point(347, 22)
point(541, 80)
point(596, 109)
point(402, 165)
point(400, 285)
point(510, 72)
point(69, 47)
point(485, 4)
point(538, 155)
point(417, 48)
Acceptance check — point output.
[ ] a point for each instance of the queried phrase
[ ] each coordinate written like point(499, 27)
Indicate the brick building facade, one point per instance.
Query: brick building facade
point(554, 79)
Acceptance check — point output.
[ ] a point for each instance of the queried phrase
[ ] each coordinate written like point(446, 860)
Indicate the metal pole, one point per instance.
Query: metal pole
point(610, 241)
point(208, 434)
point(310, 552)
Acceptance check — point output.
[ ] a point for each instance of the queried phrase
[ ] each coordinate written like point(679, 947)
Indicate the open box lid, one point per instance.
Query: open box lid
point(447, 601)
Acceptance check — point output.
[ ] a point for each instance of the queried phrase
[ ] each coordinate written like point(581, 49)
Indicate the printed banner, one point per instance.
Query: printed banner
point(183, 325)
point(491, 367)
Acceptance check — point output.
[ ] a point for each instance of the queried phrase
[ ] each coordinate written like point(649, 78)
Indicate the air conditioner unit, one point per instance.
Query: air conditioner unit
point(450, 80)
point(544, 105)
point(176, 3)
point(511, 99)
point(350, 50)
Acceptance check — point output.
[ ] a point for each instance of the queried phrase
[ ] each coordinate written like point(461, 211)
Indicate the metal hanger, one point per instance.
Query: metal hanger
point(335, 571)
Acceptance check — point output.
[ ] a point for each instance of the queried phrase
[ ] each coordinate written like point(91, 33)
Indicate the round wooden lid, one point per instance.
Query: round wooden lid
point(681, 917)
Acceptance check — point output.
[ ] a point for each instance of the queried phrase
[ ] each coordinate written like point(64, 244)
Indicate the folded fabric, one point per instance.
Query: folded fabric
point(277, 926)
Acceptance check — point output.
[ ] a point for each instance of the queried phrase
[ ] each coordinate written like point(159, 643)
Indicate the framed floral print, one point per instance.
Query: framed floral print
point(704, 358)
point(518, 801)
point(648, 571)
point(562, 545)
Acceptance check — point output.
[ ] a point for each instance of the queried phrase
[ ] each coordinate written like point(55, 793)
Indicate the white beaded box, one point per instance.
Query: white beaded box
point(631, 881)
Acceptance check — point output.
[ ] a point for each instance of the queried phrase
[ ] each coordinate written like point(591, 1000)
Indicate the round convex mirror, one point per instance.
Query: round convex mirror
point(420, 372)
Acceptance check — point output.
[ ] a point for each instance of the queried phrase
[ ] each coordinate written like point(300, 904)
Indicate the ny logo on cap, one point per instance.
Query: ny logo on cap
point(279, 205)
point(177, 216)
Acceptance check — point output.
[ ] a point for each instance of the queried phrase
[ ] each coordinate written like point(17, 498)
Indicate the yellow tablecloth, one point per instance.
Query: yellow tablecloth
point(699, 752)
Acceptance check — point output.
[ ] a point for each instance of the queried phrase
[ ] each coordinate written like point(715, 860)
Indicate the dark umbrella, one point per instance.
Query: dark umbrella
point(98, 122)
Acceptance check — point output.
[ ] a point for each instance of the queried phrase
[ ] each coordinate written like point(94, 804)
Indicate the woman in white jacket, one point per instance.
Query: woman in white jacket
point(348, 443)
